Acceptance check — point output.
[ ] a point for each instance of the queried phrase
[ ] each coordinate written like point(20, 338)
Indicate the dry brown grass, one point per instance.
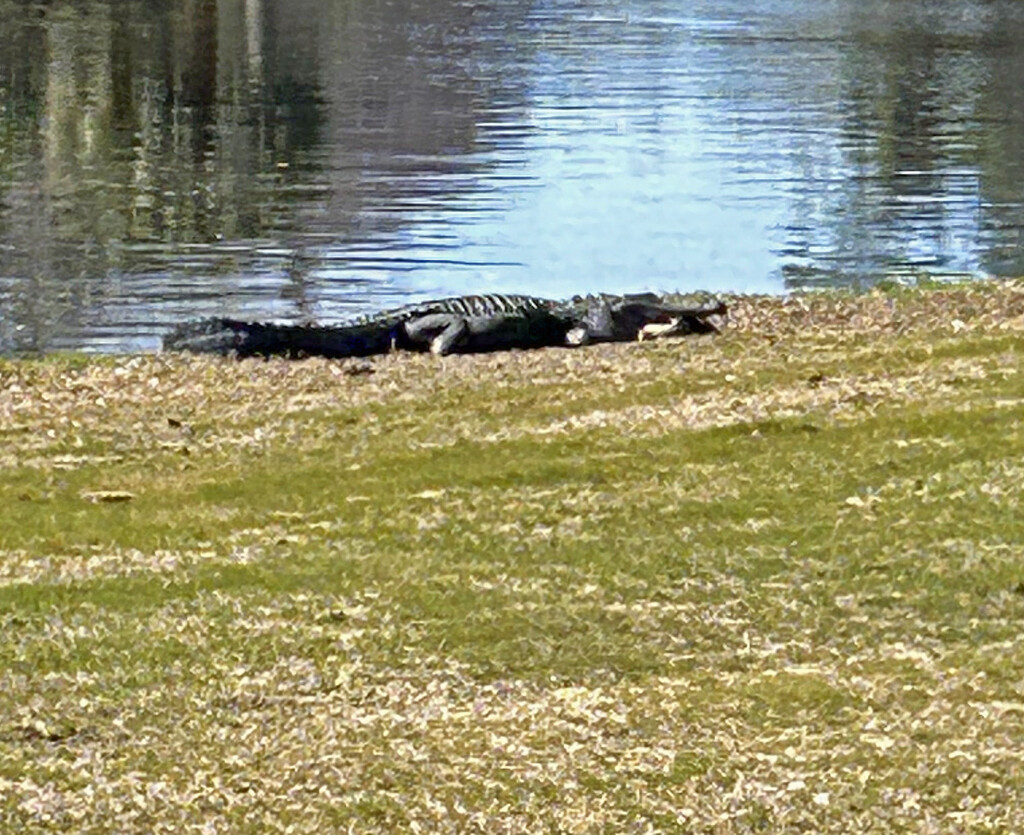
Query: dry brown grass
point(767, 581)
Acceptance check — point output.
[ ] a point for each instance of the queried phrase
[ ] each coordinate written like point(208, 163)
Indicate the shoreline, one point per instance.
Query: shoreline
point(888, 289)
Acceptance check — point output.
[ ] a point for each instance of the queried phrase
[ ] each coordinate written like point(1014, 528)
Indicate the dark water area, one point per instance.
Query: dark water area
point(304, 161)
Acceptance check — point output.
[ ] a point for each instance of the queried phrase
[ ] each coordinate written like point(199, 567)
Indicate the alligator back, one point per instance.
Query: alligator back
point(485, 304)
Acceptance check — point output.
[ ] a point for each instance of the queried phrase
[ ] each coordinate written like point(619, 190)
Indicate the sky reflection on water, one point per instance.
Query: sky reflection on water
point(305, 161)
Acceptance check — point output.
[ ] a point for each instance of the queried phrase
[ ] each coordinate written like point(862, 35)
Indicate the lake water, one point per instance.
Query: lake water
point(303, 161)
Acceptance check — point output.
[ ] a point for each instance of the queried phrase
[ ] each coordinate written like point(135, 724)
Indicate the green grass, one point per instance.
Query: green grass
point(728, 585)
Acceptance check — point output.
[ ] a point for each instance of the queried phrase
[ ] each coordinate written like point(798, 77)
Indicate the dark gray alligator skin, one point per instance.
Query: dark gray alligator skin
point(461, 324)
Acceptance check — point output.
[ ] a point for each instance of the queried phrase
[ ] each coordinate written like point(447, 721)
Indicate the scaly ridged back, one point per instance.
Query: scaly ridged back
point(487, 304)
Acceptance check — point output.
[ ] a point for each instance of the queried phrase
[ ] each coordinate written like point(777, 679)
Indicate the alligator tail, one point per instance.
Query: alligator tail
point(249, 339)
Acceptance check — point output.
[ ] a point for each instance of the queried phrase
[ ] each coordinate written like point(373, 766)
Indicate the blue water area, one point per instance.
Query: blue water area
point(304, 161)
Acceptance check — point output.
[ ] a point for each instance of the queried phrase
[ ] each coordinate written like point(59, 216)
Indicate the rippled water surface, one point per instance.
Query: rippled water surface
point(306, 160)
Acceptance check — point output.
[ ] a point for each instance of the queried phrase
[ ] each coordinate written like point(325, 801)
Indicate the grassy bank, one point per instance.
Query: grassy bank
point(771, 580)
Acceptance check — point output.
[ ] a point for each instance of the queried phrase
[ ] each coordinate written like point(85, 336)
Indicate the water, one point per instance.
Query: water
point(306, 160)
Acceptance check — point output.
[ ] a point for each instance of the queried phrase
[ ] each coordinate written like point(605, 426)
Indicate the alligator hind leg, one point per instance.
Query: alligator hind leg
point(450, 338)
point(441, 332)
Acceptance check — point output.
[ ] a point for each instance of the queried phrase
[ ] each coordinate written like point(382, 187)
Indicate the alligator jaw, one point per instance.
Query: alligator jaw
point(679, 321)
point(654, 330)
point(677, 326)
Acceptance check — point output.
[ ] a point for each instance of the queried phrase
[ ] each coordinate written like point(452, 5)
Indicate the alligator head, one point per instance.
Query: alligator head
point(637, 316)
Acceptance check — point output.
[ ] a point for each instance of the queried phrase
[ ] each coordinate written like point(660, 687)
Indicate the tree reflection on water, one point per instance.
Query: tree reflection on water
point(300, 160)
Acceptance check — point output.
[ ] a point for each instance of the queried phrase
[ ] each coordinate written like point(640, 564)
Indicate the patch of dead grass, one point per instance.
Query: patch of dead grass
point(781, 636)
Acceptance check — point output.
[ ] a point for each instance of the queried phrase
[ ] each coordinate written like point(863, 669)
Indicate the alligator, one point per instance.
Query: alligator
point(462, 324)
